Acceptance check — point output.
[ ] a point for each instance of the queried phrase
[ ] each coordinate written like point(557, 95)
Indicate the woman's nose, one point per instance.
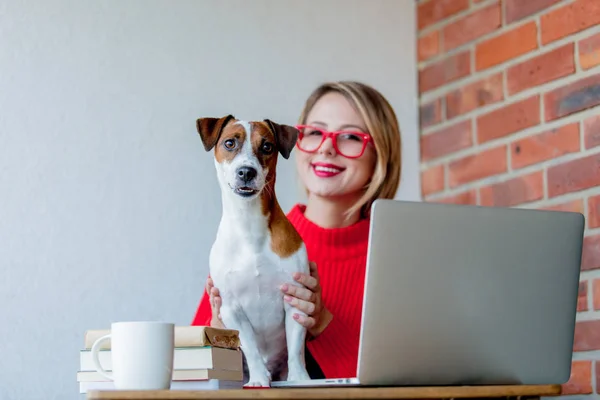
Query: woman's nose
point(327, 147)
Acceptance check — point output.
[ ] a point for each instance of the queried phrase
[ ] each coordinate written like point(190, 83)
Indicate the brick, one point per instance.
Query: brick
point(596, 296)
point(432, 180)
point(582, 297)
point(508, 119)
point(433, 11)
point(573, 176)
point(523, 189)
point(545, 146)
point(590, 258)
point(477, 166)
point(593, 217)
point(572, 98)
point(467, 198)
point(430, 113)
point(587, 336)
point(473, 26)
point(542, 69)
point(446, 141)
point(580, 381)
point(597, 363)
point(589, 52)
point(506, 46)
point(445, 71)
point(570, 19)
point(428, 45)
point(569, 206)
point(591, 131)
point(516, 10)
point(474, 95)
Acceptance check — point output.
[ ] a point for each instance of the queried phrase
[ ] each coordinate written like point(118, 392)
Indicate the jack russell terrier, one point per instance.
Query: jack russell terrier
point(256, 249)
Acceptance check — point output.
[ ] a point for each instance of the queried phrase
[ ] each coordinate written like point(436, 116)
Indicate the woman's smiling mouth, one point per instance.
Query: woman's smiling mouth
point(324, 170)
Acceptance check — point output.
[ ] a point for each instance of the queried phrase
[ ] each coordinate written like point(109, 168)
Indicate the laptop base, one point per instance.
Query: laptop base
point(347, 382)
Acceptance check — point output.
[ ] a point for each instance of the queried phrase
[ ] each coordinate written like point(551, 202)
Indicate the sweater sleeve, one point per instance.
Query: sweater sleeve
point(203, 312)
point(336, 350)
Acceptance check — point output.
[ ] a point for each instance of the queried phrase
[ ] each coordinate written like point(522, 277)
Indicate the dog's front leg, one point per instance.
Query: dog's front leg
point(259, 375)
point(295, 336)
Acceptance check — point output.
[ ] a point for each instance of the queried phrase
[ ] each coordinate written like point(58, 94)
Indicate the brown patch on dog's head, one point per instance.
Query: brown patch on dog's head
point(264, 146)
point(210, 129)
point(230, 143)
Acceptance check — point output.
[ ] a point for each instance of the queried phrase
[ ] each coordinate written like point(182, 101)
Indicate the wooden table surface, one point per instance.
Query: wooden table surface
point(453, 392)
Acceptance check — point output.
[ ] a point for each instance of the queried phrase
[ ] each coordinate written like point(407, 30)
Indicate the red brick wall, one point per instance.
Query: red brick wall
point(510, 116)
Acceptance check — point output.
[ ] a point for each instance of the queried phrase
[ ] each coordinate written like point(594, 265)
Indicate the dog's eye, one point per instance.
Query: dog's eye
point(267, 148)
point(229, 144)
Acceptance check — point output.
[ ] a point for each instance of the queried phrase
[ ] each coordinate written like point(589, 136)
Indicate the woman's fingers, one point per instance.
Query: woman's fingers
point(309, 281)
point(208, 288)
point(215, 300)
point(306, 321)
point(299, 292)
point(214, 297)
point(209, 285)
point(217, 307)
point(301, 305)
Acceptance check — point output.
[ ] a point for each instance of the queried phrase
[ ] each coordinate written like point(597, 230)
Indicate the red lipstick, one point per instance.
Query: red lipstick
point(326, 170)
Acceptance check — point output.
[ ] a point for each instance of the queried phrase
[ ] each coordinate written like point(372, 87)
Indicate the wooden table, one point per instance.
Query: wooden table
point(454, 392)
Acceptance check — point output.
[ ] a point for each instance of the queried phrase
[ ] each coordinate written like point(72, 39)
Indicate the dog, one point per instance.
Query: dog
point(256, 249)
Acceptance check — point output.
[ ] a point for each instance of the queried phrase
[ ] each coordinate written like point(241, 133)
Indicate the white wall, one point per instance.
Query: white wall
point(108, 203)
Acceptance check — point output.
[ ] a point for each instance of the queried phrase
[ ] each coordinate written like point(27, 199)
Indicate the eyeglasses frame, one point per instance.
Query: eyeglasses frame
point(333, 135)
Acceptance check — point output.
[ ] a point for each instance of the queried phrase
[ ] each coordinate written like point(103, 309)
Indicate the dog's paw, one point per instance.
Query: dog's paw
point(297, 373)
point(253, 382)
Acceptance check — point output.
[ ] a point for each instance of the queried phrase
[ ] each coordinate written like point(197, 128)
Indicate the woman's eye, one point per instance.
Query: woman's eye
point(351, 136)
point(314, 132)
point(229, 144)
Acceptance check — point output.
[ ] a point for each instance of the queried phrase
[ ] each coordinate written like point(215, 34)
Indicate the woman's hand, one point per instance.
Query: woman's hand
point(215, 304)
point(308, 300)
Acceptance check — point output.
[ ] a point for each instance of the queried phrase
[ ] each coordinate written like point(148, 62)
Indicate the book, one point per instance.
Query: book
point(206, 357)
point(207, 384)
point(185, 336)
point(178, 375)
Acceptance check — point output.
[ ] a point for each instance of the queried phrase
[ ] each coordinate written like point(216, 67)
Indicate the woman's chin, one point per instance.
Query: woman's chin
point(327, 190)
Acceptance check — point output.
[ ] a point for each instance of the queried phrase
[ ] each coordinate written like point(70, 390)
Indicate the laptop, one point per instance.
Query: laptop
point(466, 295)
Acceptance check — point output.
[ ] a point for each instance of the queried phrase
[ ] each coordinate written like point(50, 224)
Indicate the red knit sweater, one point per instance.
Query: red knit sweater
point(340, 255)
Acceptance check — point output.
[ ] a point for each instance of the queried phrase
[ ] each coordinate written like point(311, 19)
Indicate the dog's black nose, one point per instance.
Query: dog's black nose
point(246, 174)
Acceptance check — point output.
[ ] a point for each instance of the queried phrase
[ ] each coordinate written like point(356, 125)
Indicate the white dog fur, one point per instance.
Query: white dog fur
point(256, 248)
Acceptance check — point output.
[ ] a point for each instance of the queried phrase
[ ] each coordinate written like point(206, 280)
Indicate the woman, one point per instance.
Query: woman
point(349, 154)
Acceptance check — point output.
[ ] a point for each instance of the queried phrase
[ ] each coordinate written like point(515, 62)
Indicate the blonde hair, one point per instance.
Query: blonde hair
point(382, 125)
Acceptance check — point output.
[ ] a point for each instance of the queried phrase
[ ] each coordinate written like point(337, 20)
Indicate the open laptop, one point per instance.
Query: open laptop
point(466, 295)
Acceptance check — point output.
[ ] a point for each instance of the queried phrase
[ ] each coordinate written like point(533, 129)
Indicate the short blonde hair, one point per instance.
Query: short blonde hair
point(382, 125)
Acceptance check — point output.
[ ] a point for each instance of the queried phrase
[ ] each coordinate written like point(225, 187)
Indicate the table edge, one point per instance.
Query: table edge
point(429, 392)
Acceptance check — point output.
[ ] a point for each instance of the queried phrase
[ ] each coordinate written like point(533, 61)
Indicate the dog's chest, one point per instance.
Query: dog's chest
point(249, 269)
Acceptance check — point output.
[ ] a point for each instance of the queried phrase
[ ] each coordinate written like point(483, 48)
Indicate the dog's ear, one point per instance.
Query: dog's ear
point(210, 129)
point(285, 136)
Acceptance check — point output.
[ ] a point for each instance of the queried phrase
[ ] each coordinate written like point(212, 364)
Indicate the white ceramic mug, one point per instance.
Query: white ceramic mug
point(141, 355)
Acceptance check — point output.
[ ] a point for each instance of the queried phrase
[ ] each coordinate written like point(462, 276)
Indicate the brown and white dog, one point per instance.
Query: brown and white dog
point(256, 249)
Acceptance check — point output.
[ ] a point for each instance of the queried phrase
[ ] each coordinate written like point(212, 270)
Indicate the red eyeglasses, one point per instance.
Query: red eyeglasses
point(347, 143)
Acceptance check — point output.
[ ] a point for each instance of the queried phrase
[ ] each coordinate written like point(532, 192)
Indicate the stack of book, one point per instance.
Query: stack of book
point(204, 358)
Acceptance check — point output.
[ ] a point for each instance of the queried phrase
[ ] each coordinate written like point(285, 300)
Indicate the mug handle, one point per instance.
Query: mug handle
point(95, 358)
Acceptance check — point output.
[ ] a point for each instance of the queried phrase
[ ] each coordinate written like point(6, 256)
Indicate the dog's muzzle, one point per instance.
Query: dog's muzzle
point(246, 174)
point(246, 181)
